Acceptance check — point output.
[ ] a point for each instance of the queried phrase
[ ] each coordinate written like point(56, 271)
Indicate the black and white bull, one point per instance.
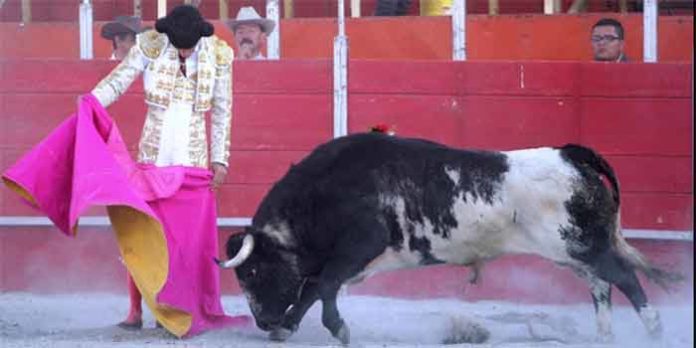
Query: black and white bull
point(367, 203)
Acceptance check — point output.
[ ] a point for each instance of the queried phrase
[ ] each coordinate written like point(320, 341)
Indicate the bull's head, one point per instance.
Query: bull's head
point(267, 273)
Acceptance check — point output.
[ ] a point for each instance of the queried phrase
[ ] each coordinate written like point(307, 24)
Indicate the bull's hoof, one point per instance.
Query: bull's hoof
point(651, 320)
point(605, 338)
point(343, 334)
point(280, 334)
point(465, 331)
point(655, 332)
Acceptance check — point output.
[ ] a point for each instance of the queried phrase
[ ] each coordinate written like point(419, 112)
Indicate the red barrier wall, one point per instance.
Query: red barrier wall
point(530, 37)
point(67, 10)
point(637, 115)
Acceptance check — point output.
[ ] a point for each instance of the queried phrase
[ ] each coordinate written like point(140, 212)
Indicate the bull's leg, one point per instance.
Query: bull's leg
point(616, 271)
point(601, 298)
point(330, 316)
point(325, 287)
point(335, 273)
point(291, 321)
point(629, 285)
point(357, 248)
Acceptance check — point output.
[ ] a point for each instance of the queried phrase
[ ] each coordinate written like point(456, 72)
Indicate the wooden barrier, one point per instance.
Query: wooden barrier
point(66, 10)
point(637, 115)
point(430, 38)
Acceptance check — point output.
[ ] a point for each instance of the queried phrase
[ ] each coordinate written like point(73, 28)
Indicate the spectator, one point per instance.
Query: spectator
point(121, 32)
point(436, 7)
point(392, 7)
point(608, 41)
point(250, 33)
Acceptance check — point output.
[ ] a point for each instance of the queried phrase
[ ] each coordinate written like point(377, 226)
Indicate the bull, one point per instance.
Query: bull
point(368, 203)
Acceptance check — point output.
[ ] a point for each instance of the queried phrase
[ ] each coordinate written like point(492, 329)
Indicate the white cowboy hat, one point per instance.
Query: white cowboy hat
point(247, 15)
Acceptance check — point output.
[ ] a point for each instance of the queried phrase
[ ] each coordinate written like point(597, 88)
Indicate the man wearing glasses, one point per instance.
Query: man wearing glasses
point(608, 41)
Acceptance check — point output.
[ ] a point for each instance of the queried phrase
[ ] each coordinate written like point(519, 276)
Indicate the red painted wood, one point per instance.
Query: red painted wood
point(662, 211)
point(34, 116)
point(281, 122)
point(403, 77)
point(653, 174)
point(278, 77)
point(518, 78)
point(645, 134)
point(42, 260)
point(45, 260)
point(66, 10)
point(55, 76)
point(506, 123)
point(526, 279)
point(643, 126)
point(470, 78)
point(636, 80)
point(261, 167)
point(240, 200)
point(434, 117)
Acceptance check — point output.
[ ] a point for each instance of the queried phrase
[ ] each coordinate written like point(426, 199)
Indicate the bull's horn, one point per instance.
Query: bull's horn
point(242, 254)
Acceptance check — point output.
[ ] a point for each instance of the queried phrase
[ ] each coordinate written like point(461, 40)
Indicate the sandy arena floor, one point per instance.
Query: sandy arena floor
point(87, 320)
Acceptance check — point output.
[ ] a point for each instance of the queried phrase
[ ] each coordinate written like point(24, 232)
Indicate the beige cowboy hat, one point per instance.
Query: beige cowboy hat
point(122, 25)
point(247, 15)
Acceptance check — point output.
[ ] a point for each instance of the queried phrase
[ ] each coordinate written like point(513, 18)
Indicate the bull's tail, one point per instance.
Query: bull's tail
point(582, 156)
point(636, 259)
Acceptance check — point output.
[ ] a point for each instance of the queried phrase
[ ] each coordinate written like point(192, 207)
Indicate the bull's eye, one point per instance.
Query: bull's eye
point(252, 272)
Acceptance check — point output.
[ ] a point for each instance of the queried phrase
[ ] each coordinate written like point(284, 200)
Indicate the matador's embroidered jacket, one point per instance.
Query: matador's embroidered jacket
point(177, 98)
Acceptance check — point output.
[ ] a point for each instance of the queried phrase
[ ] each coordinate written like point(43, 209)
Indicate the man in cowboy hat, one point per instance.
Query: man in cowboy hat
point(186, 74)
point(122, 32)
point(250, 32)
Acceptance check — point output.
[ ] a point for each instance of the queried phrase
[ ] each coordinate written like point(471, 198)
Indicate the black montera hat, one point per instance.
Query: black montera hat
point(184, 26)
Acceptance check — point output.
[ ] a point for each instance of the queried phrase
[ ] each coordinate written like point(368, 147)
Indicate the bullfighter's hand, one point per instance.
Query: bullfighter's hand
point(219, 173)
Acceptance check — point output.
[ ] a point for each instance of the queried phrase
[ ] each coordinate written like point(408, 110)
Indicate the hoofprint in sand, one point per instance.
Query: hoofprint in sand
point(87, 320)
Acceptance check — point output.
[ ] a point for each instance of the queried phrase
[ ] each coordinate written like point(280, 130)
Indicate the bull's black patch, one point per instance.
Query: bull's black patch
point(338, 202)
point(592, 207)
point(588, 162)
point(417, 172)
point(341, 183)
point(422, 246)
point(592, 220)
point(395, 233)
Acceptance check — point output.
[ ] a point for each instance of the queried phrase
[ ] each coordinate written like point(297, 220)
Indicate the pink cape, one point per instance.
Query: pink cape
point(164, 218)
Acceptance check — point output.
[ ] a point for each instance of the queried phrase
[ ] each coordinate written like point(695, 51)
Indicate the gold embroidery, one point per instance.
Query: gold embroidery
point(205, 74)
point(152, 43)
point(223, 52)
point(156, 99)
point(166, 85)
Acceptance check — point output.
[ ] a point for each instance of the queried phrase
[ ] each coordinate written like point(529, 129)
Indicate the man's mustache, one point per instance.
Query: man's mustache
point(246, 41)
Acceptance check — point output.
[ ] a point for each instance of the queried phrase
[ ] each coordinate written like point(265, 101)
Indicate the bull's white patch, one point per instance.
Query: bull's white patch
point(534, 192)
point(389, 260)
point(280, 232)
point(651, 320)
point(453, 174)
point(524, 216)
point(603, 310)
